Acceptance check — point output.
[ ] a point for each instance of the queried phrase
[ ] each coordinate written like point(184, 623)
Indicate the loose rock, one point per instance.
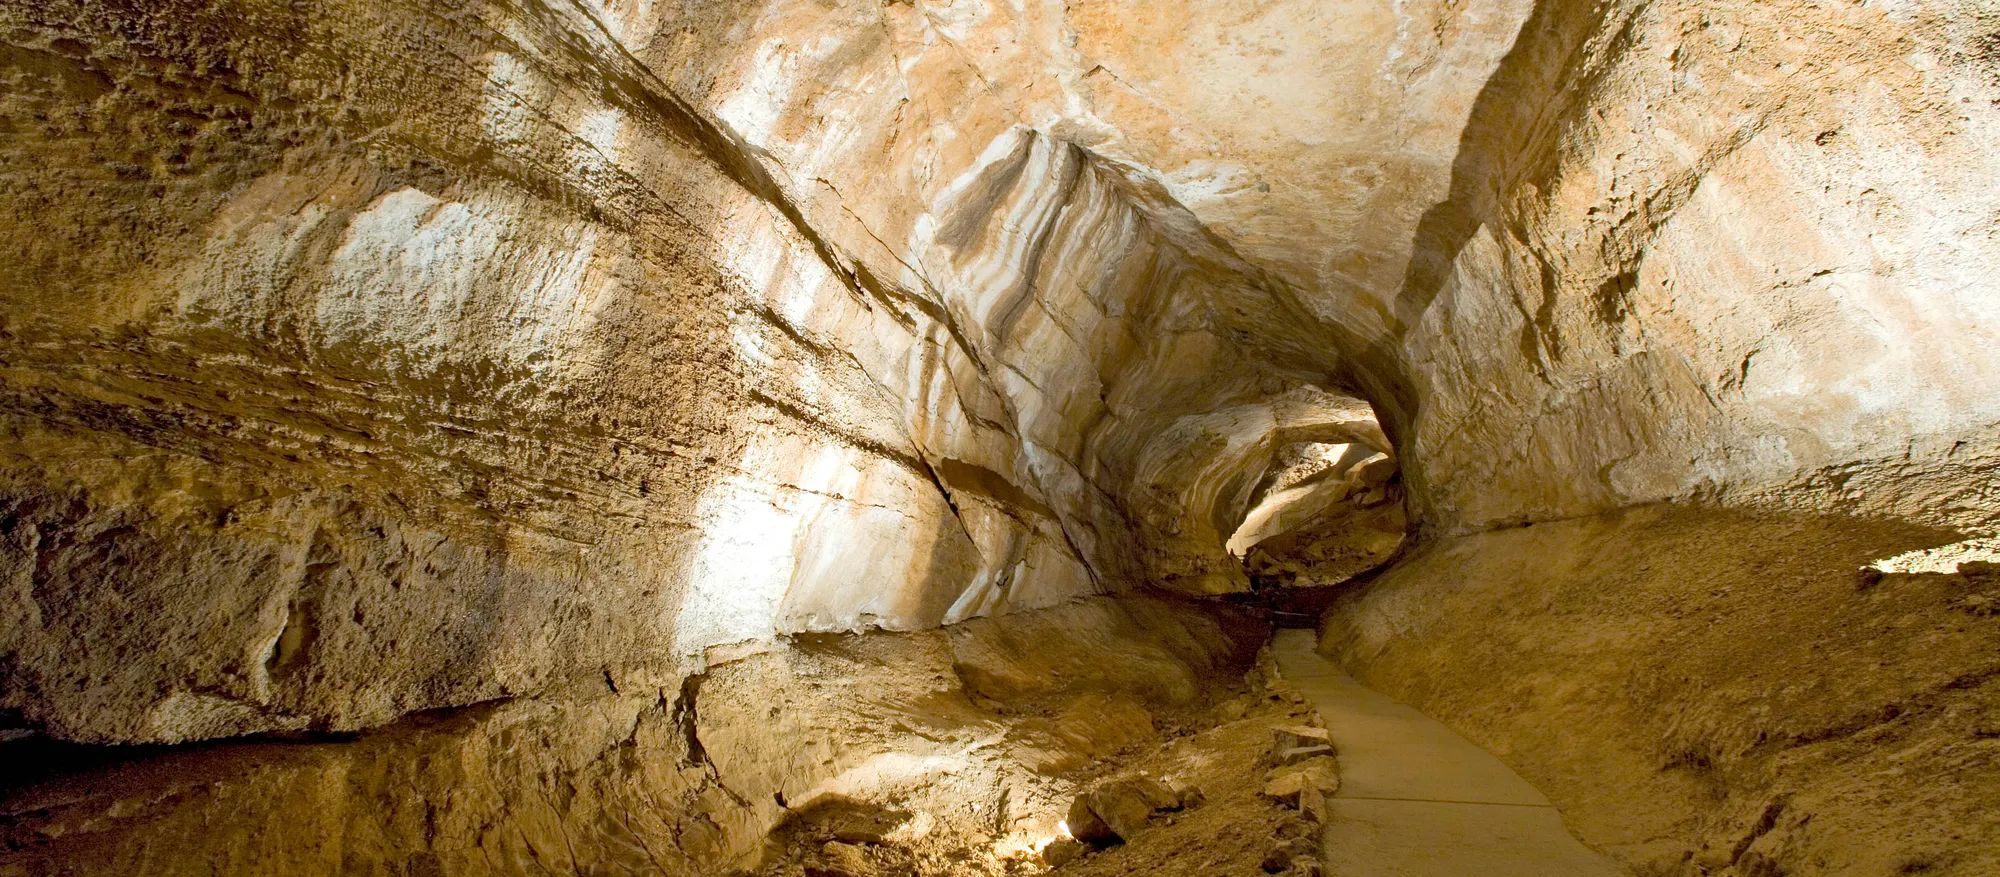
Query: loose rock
point(1119, 809)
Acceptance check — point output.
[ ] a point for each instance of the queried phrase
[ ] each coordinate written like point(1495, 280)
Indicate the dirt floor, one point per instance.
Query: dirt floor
point(1216, 754)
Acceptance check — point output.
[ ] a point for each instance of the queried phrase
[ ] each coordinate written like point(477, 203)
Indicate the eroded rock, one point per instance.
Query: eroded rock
point(370, 359)
point(1118, 810)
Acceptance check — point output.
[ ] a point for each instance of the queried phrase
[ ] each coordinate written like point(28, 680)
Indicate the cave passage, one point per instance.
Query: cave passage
point(944, 437)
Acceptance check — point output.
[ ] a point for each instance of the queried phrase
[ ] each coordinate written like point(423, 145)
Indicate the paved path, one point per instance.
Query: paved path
point(1416, 799)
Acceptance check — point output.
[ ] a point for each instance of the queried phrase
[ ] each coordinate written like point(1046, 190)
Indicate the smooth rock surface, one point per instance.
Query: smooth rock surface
point(1416, 799)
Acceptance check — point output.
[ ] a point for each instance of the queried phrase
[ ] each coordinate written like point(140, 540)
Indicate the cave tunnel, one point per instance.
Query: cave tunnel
point(868, 438)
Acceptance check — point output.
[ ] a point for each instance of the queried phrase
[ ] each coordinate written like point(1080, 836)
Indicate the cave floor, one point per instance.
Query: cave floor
point(1415, 798)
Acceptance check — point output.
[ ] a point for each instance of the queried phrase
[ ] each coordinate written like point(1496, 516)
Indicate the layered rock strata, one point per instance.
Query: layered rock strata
point(367, 358)
point(966, 727)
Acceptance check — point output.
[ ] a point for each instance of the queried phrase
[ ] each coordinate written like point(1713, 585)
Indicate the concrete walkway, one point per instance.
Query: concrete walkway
point(1418, 800)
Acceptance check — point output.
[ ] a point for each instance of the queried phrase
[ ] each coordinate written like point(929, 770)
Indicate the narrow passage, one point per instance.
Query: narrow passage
point(1418, 800)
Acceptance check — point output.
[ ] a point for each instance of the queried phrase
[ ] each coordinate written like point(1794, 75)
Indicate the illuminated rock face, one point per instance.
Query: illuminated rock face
point(371, 357)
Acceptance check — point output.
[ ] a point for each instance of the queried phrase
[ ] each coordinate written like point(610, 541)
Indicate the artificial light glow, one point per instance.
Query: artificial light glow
point(1943, 558)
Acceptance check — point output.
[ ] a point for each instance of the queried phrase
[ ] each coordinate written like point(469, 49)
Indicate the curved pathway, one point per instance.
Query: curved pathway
point(1418, 800)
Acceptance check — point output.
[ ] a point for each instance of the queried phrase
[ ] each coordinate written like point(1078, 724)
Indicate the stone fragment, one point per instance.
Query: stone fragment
point(1118, 809)
point(1298, 754)
point(1297, 736)
point(1281, 856)
point(1292, 786)
point(1981, 604)
point(1085, 825)
point(1062, 851)
point(1867, 577)
point(1187, 794)
point(1312, 803)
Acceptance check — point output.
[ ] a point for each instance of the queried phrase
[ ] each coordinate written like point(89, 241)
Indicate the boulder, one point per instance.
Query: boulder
point(1295, 785)
point(1284, 853)
point(1118, 809)
point(1285, 737)
point(1189, 794)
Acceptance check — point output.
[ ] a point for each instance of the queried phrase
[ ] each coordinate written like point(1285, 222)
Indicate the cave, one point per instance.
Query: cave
point(877, 438)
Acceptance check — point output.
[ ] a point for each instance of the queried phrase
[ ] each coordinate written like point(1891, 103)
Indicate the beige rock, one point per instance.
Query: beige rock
point(1063, 851)
point(1285, 853)
point(1187, 795)
point(375, 362)
point(1298, 754)
point(1292, 784)
point(1118, 810)
point(841, 860)
point(1294, 736)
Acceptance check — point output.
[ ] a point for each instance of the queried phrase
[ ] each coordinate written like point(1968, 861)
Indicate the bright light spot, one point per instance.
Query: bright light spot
point(599, 131)
point(742, 569)
point(753, 110)
point(1944, 558)
point(510, 89)
point(1029, 840)
point(623, 19)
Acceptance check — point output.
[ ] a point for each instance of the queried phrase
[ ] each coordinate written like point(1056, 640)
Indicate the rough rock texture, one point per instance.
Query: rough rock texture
point(1690, 250)
point(686, 780)
point(365, 358)
point(674, 306)
point(1707, 692)
point(1327, 526)
point(489, 345)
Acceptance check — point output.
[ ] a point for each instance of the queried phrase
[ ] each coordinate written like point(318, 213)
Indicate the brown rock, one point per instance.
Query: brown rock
point(1299, 754)
point(1297, 736)
point(1868, 577)
point(1292, 785)
point(1118, 809)
point(841, 860)
point(1085, 825)
point(1281, 856)
point(1063, 851)
point(1188, 795)
point(1232, 709)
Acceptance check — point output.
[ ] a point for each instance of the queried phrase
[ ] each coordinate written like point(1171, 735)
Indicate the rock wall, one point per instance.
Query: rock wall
point(681, 780)
point(1737, 252)
point(371, 357)
point(1711, 692)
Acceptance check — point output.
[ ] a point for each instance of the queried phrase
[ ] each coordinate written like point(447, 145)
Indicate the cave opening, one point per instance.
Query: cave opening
point(1329, 506)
